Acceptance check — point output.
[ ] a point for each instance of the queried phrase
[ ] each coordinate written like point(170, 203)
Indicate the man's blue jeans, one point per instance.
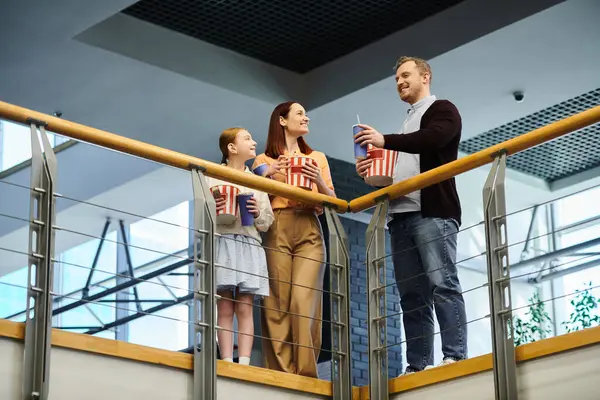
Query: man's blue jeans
point(424, 257)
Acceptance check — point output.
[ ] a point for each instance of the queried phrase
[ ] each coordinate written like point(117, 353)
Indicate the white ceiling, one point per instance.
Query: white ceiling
point(44, 68)
point(104, 71)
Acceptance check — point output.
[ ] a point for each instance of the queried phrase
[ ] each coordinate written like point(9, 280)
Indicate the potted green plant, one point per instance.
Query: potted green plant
point(535, 325)
point(585, 307)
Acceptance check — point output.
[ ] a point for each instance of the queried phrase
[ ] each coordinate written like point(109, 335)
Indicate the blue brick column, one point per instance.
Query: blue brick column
point(348, 185)
point(358, 306)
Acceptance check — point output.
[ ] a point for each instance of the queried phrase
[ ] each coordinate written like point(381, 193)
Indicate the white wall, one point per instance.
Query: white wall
point(568, 375)
point(77, 375)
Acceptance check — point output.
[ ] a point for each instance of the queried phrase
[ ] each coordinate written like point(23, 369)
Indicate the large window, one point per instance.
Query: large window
point(574, 210)
point(78, 261)
point(13, 292)
point(15, 144)
point(150, 240)
point(167, 329)
point(74, 271)
point(579, 280)
point(578, 207)
point(153, 240)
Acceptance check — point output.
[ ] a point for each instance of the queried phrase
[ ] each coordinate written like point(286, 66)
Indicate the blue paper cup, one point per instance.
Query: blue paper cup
point(246, 217)
point(360, 152)
point(261, 169)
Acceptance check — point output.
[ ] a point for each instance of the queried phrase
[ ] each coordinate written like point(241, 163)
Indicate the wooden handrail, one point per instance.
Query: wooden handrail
point(168, 157)
point(180, 160)
point(475, 160)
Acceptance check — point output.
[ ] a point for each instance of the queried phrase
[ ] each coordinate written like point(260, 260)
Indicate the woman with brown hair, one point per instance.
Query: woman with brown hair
point(295, 251)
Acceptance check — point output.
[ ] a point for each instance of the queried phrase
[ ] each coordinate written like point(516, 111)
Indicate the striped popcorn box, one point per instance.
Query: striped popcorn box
point(381, 172)
point(229, 214)
point(295, 177)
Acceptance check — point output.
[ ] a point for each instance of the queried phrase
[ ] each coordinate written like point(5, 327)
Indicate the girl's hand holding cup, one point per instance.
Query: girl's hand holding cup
point(252, 207)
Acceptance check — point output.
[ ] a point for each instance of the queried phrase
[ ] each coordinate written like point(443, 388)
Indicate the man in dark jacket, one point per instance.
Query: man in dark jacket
point(424, 224)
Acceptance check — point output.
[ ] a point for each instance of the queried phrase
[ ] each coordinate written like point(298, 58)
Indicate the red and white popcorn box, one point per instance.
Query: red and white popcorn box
point(295, 177)
point(229, 214)
point(381, 172)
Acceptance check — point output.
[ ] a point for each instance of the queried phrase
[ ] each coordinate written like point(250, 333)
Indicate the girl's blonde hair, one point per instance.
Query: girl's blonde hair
point(228, 136)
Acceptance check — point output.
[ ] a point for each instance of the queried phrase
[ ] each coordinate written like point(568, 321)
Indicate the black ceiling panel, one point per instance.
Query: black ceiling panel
point(560, 158)
point(295, 35)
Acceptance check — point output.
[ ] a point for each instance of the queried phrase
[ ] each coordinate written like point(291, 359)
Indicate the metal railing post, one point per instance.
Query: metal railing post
point(376, 304)
point(503, 347)
point(204, 306)
point(40, 277)
point(339, 273)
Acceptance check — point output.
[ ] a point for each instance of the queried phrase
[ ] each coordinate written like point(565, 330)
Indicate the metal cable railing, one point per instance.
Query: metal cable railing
point(448, 297)
point(128, 281)
point(441, 237)
point(485, 285)
point(190, 260)
point(434, 334)
point(380, 320)
point(562, 296)
point(179, 300)
point(94, 299)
